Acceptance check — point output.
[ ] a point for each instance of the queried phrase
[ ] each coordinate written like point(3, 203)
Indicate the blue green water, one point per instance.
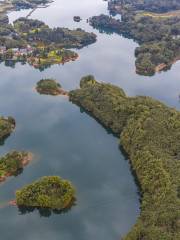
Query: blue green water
point(68, 142)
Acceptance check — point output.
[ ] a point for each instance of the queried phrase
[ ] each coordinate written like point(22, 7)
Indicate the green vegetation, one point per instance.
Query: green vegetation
point(12, 163)
point(158, 37)
point(50, 87)
point(7, 125)
point(25, 4)
point(32, 30)
point(160, 6)
point(48, 192)
point(34, 42)
point(150, 134)
point(43, 58)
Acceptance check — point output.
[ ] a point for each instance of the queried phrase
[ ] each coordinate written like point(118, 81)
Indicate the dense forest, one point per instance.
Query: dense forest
point(47, 192)
point(150, 134)
point(28, 31)
point(158, 37)
point(34, 30)
point(147, 5)
point(50, 87)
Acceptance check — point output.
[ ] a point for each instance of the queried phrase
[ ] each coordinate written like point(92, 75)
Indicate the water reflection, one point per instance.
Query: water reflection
point(13, 64)
point(2, 140)
point(46, 212)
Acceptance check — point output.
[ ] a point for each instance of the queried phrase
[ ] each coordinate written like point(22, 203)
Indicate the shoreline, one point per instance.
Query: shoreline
point(60, 92)
point(163, 66)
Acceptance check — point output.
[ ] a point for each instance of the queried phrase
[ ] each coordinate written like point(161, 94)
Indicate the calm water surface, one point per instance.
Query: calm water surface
point(69, 143)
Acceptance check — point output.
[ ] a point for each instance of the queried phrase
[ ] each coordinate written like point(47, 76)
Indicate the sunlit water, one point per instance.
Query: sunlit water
point(68, 142)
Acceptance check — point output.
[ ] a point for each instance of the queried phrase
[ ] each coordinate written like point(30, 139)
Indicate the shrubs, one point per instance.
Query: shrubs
point(48, 192)
point(50, 87)
point(150, 134)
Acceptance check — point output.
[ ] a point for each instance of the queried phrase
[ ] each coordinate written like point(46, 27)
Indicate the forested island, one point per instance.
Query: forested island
point(50, 87)
point(48, 192)
point(150, 134)
point(13, 163)
point(7, 126)
point(157, 32)
point(34, 42)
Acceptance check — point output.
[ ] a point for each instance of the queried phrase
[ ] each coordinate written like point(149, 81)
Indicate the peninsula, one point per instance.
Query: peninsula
point(150, 134)
point(157, 31)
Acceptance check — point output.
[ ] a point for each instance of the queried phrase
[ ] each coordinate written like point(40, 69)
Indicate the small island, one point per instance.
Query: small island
point(50, 192)
point(50, 87)
point(7, 126)
point(77, 18)
point(13, 163)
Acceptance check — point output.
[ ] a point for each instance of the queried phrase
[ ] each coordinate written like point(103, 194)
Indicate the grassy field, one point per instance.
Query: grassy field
point(158, 15)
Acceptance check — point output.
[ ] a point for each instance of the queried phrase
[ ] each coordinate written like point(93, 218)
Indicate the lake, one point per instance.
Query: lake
point(67, 142)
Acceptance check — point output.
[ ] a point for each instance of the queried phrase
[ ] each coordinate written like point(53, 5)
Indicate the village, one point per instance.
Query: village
point(16, 52)
point(41, 57)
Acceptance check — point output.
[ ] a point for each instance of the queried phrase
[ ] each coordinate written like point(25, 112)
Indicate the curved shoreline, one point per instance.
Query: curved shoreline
point(163, 66)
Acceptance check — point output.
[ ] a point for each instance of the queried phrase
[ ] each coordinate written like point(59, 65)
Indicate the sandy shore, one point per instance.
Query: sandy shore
point(162, 66)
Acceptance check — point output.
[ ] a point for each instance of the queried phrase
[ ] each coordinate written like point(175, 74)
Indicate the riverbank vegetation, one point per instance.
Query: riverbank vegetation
point(50, 87)
point(150, 134)
point(48, 192)
point(12, 164)
point(158, 37)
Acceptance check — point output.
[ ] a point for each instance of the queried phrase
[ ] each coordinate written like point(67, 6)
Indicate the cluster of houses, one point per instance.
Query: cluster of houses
point(17, 51)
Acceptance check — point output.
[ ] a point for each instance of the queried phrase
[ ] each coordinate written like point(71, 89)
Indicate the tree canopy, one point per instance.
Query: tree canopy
point(150, 134)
